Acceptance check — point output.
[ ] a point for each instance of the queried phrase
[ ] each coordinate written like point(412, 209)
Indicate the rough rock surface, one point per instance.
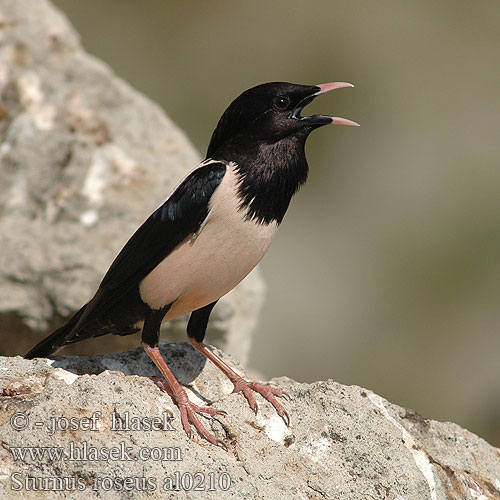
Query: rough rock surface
point(84, 159)
point(343, 442)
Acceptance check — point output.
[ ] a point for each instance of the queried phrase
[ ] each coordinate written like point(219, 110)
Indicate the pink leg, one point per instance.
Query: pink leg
point(241, 385)
point(187, 409)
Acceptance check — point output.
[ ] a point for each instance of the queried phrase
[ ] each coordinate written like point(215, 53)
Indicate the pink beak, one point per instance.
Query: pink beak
point(326, 87)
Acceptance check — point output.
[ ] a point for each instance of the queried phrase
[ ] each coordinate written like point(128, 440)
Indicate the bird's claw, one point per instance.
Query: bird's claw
point(188, 412)
point(286, 419)
point(267, 392)
point(286, 396)
point(222, 445)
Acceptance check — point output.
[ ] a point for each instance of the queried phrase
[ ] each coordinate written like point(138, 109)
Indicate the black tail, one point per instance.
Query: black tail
point(55, 340)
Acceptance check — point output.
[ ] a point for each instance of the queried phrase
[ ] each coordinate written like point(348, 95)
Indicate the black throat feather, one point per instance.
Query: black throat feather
point(269, 177)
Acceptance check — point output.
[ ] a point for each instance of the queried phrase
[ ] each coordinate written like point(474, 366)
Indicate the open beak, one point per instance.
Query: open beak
point(323, 119)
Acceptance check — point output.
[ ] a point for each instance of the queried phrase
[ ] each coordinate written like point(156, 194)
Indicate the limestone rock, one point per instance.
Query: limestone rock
point(84, 159)
point(343, 442)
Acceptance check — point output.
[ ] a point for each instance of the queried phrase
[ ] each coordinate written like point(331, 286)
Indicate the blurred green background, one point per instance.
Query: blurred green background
point(386, 272)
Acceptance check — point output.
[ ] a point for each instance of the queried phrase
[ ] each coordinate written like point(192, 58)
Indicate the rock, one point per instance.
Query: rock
point(343, 442)
point(84, 160)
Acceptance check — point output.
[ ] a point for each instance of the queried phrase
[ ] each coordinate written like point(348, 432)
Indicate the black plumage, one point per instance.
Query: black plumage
point(117, 306)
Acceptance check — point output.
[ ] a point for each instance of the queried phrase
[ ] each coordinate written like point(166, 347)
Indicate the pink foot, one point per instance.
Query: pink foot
point(189, 410)
point(266, 391)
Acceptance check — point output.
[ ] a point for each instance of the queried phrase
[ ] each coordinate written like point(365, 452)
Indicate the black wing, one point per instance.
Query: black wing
point(168, 226)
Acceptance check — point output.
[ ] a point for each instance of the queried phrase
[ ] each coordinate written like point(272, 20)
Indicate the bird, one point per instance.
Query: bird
point(206, 237)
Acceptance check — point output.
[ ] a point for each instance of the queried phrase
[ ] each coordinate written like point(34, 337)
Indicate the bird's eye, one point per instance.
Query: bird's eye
point(281, 102)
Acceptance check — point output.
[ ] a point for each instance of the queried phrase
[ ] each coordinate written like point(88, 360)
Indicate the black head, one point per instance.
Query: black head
point(269, 113)
point(263, 134)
